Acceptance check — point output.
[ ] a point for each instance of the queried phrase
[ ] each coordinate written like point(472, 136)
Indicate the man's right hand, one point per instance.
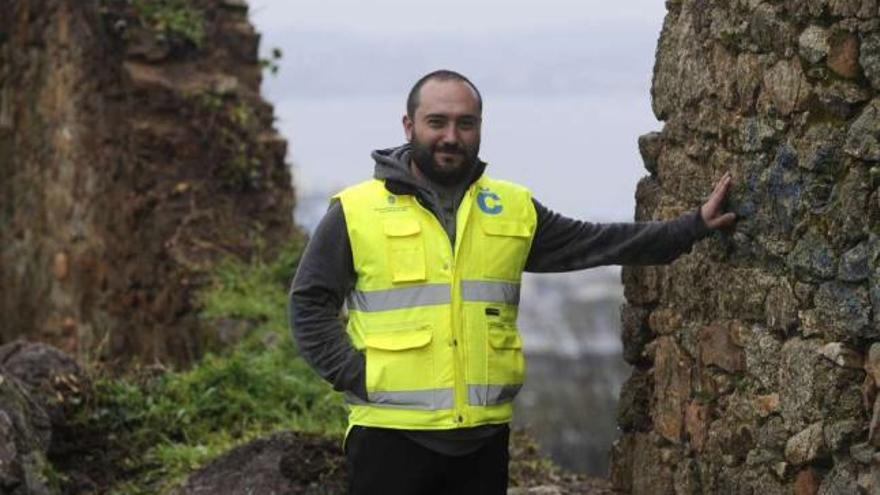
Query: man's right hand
point(711, 209)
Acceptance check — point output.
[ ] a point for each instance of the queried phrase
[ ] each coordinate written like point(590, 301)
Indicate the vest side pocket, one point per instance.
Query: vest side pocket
point(400, 360)
point(406, 250)
point(506, 363)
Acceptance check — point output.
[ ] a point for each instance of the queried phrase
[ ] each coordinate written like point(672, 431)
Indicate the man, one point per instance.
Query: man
point(428, 256)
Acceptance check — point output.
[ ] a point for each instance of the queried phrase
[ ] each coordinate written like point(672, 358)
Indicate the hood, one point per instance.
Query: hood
point(392, 164)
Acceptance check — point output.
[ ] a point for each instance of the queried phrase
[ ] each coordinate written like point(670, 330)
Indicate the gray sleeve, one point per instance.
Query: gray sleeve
point(323, 279)
point(563, 244)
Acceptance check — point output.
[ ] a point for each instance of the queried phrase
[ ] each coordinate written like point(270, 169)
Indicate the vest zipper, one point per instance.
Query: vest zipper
point(460, 389)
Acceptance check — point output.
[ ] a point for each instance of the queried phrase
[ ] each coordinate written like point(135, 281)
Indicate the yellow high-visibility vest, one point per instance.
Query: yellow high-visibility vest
point(437, 324)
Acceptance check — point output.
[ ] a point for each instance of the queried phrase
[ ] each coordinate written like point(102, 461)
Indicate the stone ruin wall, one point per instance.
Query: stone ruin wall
point(135, 151)
point(757, 356)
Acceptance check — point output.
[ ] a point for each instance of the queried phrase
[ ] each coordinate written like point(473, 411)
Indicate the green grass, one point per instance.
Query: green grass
point(162, 426)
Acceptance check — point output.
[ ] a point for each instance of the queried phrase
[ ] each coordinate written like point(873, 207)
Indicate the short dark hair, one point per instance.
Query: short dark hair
point(412, 101)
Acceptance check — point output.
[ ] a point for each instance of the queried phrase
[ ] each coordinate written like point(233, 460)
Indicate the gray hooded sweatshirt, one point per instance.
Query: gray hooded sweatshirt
point(326, 275)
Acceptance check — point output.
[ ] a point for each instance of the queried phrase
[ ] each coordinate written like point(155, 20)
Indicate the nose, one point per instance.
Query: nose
point(450, 134)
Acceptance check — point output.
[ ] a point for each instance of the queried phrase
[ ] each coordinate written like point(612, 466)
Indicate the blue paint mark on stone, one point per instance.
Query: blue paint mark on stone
point(854, 264)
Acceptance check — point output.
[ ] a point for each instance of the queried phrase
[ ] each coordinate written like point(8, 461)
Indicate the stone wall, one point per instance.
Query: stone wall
point(135, 151)
point(756, 356)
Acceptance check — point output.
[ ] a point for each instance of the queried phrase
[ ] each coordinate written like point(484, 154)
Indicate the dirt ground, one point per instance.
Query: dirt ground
point(300, 463)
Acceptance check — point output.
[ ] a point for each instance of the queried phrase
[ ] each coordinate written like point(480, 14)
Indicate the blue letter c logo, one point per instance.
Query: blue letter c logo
point(482, 200)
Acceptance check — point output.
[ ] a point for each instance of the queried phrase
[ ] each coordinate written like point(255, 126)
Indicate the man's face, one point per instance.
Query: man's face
point(445, 131)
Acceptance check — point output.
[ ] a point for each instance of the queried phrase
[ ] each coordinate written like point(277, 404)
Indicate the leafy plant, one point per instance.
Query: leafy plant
point(272, 61)
point(172, 19)
point(230, 127)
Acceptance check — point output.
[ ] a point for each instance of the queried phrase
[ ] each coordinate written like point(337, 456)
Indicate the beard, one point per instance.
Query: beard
point(445, 174)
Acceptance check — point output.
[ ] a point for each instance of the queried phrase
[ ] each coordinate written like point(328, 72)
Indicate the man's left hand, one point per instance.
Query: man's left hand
point(711, 209)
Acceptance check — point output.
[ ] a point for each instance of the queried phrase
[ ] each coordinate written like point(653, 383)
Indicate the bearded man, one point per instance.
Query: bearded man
point(428, 257)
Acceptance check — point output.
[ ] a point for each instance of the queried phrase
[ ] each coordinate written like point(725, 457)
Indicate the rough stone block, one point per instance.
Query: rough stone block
point(862, 452)
point(875, 303)
point(648, 194)
point(650, 145)
point(843, 478)
point(718, 348)
point(843, 310)
point(787, 86)
point(840, 97)
point(841, 355)
point(813, 257)
point(874, 429)
point(697, 424)
point(687, 478)
point(807, 482)
point(672, 389)
point(797, 377)
point(872, 363)
point(762, 357)
point(756, 134)
point(641, 284)
point(762, 457)
point(772, 434)
point(843, 56)
point(745, 294)
point(806, 446)
point(634, 404)
point(635, 332)
point(781, 307)
point(854, 264)
point(846, 218)
point(665, 321)
point(813, 43)
point(841, 434)
point(638, 467)
point(863, 138)
point(869, 58)
point(766, 405)
point(869, 393)
point(25, 432)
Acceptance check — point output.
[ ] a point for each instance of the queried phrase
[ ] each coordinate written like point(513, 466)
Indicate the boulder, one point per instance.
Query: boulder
point(25, 433)
point(54, 379)
point(287, 462)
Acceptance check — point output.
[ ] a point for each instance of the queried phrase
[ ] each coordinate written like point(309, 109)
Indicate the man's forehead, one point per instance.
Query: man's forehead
point(447, 96)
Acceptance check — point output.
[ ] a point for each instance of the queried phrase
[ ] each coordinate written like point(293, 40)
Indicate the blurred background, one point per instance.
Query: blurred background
point(566, 89)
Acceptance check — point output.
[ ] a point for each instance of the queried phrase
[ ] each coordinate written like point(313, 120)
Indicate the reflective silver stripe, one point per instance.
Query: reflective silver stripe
point(398, 298)
point(432, 400)
point(497, 292)
point(490, 395)
point(430, 294)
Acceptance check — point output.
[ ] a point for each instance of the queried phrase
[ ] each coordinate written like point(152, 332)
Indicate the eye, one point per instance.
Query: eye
point(436, 123)
point(467, 123)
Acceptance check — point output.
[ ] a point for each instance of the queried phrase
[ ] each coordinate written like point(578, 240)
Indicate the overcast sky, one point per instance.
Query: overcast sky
point(566, 86)
point(449, 17)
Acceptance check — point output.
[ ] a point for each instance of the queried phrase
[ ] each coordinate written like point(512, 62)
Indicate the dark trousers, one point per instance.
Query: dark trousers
point(386, 462)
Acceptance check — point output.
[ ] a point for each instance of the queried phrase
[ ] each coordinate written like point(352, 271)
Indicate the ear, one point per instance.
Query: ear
point(407, 127)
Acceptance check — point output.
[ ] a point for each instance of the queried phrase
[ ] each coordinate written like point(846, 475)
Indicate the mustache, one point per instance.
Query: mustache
point(449, 148)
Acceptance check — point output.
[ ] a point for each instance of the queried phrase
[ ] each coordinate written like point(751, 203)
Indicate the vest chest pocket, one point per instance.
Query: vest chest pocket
point(505, 248)
point(406, 250)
